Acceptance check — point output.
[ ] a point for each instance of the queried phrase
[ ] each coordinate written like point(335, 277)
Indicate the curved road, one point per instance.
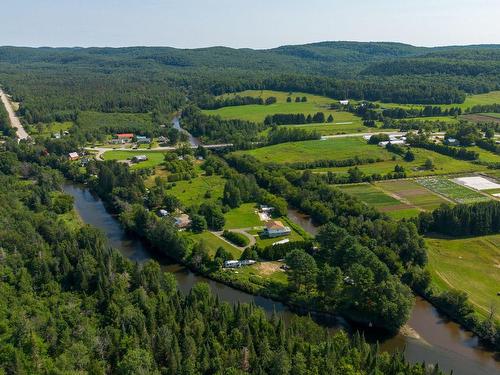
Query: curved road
point(14, 120)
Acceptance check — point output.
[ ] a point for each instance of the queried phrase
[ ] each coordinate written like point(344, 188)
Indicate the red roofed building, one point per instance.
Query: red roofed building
point(125, 136)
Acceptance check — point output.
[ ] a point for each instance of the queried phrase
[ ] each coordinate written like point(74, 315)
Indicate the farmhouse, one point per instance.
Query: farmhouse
point(139, 158)
point(275, 228)
point(73, 156)
point(344, 102)
point(451, 142)
point(125, 136)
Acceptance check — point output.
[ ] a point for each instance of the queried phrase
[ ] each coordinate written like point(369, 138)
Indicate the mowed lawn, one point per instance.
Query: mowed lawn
point(244, 216)
point(334, 148)
point(468, 264)
point(415, 194)
point(154, 157)
point(213, 243)
point(378, 199)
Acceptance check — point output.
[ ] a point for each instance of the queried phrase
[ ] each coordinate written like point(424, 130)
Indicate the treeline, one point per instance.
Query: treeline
point(462, 220)
point(427, 111)
point(75, 305)
point(282, 135)
point(5, 128)
point(296, 119)
point(455, 152)
point(216, 129)
point(210, 102)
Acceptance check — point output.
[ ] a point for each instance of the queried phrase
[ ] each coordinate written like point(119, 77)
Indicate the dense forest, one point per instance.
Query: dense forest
point(53, 84)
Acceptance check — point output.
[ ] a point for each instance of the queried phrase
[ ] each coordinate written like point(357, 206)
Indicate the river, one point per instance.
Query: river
point(193, 141)
point(441, 341)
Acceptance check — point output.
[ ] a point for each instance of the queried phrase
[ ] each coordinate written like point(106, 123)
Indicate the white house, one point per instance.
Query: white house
point(276, 228)
point(139, 158)
point(231, 264)
point(344, 102)
point(383, 144)
point(451, 142)
point(162, 212)
point(73, 156)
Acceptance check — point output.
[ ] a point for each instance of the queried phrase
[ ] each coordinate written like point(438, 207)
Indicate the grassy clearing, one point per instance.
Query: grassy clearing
point(154, 157)
point(413, 193)
point(198, 190)
point(47, 130)
point(443, 165)
point(451, 190)
point(266, 270)
point(485, 155)
point(335, 148)
point(213, 243)
point(468, 264)
point(380, 200)
point(244, 216)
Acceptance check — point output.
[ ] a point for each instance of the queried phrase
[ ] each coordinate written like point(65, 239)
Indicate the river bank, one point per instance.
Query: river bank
point(442, 341)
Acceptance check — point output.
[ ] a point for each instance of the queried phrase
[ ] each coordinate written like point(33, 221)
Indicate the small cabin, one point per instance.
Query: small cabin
point(73, 156)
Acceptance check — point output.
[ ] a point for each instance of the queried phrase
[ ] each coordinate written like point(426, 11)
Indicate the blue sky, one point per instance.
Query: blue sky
point(249, 23)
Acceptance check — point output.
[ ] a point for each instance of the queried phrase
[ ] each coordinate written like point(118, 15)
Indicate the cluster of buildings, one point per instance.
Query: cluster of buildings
point(122, 138)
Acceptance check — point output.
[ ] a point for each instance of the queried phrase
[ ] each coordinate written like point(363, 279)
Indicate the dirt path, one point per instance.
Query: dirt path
point(14, 120)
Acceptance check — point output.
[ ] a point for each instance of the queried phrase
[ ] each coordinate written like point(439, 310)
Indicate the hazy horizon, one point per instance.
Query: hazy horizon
point(259, 25)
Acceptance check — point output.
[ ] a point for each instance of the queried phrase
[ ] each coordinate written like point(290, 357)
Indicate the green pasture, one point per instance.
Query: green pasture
point(452, 190)
point(443, 165)
point(257, 113)
point(468, 264)
point(154, 157)
point(198, 190)
point(263, 270)
point(333, 148)
point(485, 155)
point(470, 101)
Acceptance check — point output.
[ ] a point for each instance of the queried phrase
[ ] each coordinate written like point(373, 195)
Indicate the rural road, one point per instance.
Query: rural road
point(14, 120)
point(102, 150)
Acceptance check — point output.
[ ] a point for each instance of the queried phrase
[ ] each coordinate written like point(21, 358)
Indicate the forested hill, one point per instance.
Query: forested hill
point(53, 83)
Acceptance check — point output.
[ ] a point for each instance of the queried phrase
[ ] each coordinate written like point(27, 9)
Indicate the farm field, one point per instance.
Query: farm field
point(257, 113)
point(413, 193)
point(492, 97)
point(334, 148)
point(243, 216)
point(452, 190)
point(380, 200)
point(443, 165)
point(154, 157)
point(194, 191)
point(468, 264)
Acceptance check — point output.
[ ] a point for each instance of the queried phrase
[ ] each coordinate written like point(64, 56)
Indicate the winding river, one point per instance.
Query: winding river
point(441, 341)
